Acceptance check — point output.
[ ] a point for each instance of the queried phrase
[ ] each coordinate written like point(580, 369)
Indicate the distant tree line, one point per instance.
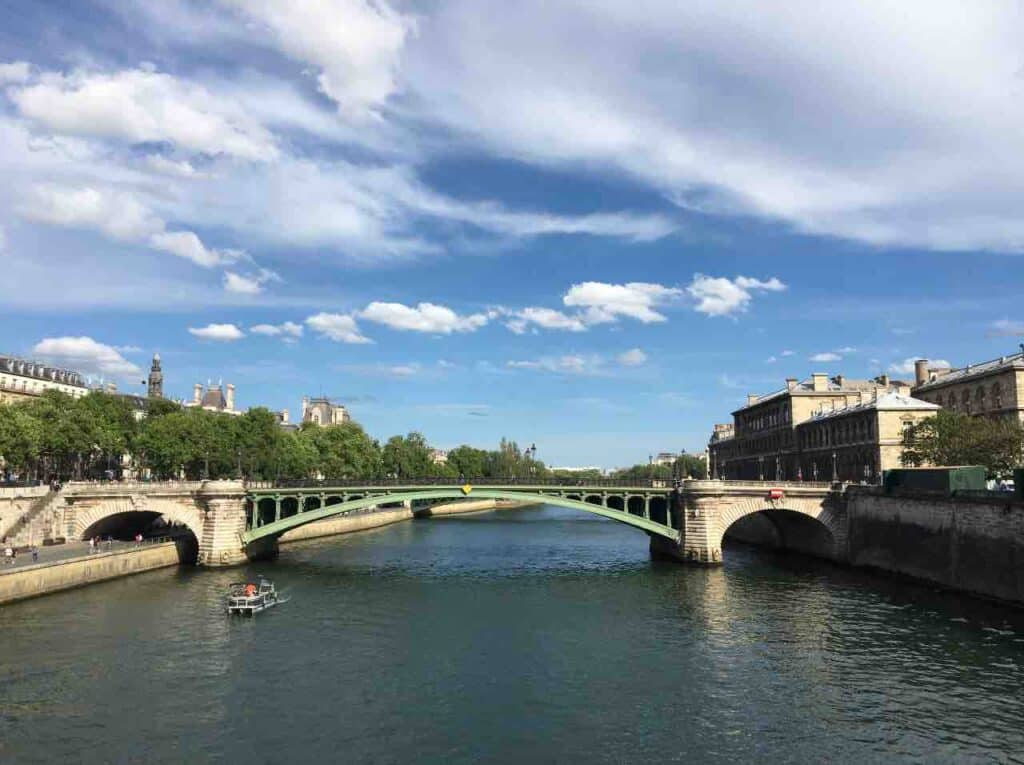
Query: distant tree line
point(99, 435)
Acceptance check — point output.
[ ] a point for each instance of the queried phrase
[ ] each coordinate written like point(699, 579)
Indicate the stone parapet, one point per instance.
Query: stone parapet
point(223, 507)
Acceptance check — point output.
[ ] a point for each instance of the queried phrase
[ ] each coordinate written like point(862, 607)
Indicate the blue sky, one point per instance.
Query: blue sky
point(593, 226)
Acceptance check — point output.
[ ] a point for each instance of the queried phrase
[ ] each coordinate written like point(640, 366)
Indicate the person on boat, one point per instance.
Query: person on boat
point(250, 590)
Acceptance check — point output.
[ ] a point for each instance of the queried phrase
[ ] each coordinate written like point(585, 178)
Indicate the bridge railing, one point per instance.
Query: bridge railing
point(331, 483)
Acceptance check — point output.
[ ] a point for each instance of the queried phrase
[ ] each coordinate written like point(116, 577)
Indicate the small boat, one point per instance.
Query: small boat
point(248, 599)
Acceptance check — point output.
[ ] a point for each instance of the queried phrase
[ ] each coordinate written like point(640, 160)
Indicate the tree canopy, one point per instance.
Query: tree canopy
point(949, 438)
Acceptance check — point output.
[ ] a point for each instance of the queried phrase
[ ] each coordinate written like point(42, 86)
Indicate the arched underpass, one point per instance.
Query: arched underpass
point(782, 529)
point(123, 527)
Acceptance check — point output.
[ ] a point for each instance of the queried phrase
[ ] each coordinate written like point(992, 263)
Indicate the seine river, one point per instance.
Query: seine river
point(532, 636)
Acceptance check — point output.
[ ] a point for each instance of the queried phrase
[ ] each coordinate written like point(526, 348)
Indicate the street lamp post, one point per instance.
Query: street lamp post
point(835, 474)
point(760, 468)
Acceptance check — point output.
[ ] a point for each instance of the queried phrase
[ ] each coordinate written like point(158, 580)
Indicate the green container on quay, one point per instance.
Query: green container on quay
point(937, 479)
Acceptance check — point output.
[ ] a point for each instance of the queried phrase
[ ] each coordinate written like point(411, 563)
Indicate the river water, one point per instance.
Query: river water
point(518, 636)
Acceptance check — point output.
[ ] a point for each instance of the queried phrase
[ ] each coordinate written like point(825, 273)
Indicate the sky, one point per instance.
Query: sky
point(593, 226)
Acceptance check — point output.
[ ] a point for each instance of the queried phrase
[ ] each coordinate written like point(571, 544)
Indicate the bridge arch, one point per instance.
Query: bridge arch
point(259, 537)
point(802, 524)
point(121, 517)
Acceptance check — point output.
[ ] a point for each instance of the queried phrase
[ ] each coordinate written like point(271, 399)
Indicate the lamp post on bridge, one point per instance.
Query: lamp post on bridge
point(835, 474)
point(760, 468)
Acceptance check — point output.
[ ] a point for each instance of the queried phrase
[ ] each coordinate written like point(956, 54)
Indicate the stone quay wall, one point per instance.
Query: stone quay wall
point(973, 544)
point(15, 502)
point(347, 524)
point(45, 578)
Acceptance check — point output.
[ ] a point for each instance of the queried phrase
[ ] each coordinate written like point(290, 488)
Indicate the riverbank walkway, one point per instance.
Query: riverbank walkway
point(70, 551)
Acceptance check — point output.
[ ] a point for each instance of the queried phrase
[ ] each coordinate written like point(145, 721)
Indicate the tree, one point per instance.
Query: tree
point(343, 451)
point(949, 438)
point(468, 461)
point(408, 457)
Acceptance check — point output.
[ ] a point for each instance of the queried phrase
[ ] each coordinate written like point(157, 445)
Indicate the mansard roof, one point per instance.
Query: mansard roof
point(1016, 361)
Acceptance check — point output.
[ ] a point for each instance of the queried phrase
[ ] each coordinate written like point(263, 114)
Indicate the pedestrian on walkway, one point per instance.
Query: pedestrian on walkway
point(35, 554)
point(92, 545)
point(8, 555)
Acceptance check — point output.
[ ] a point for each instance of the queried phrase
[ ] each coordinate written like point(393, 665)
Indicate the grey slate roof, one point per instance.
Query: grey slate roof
point(887, 403)
point(1016, 361)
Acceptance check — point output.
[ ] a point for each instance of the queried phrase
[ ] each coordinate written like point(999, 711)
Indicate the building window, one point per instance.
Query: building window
point(965, 399)
point(997, 396)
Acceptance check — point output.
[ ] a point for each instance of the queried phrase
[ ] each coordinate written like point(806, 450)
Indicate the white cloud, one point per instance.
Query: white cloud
point(906, 367)
point(249, 284)
point(632, 358)
point(425, 317)
point(827, 356)
point(287, 329)
point(567, 364)
point(846, 349)
point(177, 168)
point(86, 355)
point(770, 360)
point(788, 353)
point(119, 215)
point(547, 318)
point(218, 332)
point(338, 327)
point(355, 44)
point(720, 296)
point(1001, 327)
point(185, 244)
point(602, 302)
point(15, 72)
point(687, 101)
point(3, 240)
point(141, 106)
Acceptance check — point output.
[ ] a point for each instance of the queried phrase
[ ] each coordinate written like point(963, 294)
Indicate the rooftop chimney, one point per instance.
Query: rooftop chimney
point(284, 416)
point(791, 383)
point(921, 371)
point(751, 398)
point(819, 382)
point(230, 398)
point(197, 393)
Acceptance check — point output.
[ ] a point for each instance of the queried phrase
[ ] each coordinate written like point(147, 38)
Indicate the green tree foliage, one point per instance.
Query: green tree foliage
point(950, 439)
point(684, 466)
point(408, 457)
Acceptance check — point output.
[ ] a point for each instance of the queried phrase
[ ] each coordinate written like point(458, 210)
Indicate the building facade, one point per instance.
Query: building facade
point(829, 428)
point(213, 398)
point(21, 379)
point(990, 389)
point(323, 411)
point(155, 383)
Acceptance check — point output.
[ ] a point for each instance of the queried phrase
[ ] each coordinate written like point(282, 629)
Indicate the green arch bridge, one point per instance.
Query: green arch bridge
point(274, 508)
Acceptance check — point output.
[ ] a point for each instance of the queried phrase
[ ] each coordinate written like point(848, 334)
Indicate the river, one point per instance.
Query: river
point(517, 636)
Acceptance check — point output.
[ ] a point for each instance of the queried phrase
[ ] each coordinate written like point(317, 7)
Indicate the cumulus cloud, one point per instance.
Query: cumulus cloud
point(424, 317)
point(601, 302)
point(906, 367)
point(142, 106)
point(827, 356)
point(185, 244)
point(339, 327)
point(720, 296)
point(119, 215)
point(354, 44)
point(632, 358)
point(14, 72)
point(218, 332)
point(288, 329)
point(546, 318)
point(248, 284)
point(85, 355)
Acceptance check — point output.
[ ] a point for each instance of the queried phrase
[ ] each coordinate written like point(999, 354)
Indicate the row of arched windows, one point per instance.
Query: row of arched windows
point(981, 398)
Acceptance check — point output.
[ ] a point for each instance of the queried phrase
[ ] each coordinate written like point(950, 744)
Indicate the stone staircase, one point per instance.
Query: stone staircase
point(35, 525)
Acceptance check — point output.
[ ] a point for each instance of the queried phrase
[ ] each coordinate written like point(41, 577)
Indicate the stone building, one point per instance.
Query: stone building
point(214, 398)
point(858, 442)
point(763, 443)
point(990, 389)
point(21, 379)
point(323, 411)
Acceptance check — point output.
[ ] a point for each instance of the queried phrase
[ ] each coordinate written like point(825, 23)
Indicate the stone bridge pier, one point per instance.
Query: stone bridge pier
point(808, 518)
point(214, 511)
